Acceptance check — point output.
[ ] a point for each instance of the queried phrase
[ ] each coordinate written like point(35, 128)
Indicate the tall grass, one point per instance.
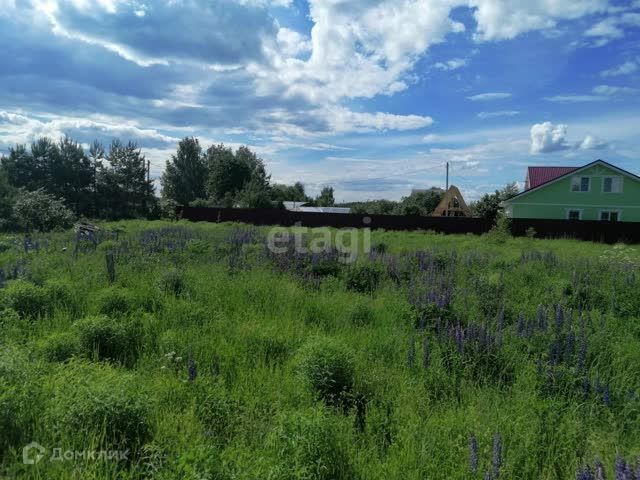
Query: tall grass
point(202, 356)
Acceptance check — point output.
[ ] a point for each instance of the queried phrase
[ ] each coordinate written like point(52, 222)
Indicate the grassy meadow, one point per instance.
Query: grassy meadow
point(198, 353)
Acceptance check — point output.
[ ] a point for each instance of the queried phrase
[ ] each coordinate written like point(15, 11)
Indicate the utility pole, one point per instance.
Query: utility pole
point(446, 193)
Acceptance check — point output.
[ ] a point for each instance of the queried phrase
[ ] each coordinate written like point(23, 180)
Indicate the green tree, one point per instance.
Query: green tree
point(325, 199)
point(72, 176)
point(420, 203)
point(123, 188)
point(289, 193)
point(7, 195)
point(184, 178)
point(488, 206)
point(41, 211)
point(229, 173)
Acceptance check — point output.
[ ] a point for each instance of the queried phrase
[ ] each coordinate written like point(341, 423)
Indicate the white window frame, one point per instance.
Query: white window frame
point(613, 178)
point(579, 183)
point(579, 210)
point(609, 210)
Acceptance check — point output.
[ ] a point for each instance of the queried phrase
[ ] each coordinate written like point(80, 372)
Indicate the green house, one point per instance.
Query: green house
point(597, 191)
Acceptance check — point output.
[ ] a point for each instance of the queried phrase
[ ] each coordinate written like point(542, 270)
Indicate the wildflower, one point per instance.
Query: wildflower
point(585, 473)
point(621, 469)
point(473, 453)
point(496, 461)
point(600, 475)
point(192, 369)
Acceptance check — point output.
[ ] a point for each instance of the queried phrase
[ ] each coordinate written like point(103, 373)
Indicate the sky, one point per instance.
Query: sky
point(372, 97)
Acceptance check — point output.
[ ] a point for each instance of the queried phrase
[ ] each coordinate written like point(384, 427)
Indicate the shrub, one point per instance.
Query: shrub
point(38, 210)
point(60, 347)
point(328, 368)
point(218, 413)
point(364, 278)
point(61, 295)
point(107, 339)
point(95, 402)
point(307, 446)
point(29, 300)
point(172, 282)
point(115, 301)
point(361, 314)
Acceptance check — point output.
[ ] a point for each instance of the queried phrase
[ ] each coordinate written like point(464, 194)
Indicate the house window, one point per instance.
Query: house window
point(609, 216)
point(574, 214)
point(612, 184)
point(580, 184)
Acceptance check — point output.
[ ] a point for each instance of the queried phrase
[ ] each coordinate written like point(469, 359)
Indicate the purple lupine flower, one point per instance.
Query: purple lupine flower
point(473, 453)
point(606, 396)
point(541, 318)
point(600, 474)
point(559, 318)
point(192, 369)
point(585, 473)
point(621, 467)
point(586, 387)
point(638, 469)
point(520, 325)
point(582, 351)
point(569, 346)
point(411, 353)
point(426, 354)
point(500, 320)
point(488, 476)
point(496, 460)
point(3, 278)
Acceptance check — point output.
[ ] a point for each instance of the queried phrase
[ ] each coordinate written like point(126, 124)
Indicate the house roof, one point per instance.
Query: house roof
point(538, 175)
point(579, 169)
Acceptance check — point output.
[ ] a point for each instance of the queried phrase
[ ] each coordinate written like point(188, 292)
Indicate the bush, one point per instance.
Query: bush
point(307, 446)
point(115, 301)
point(107, 339)
point(364, 278)
point(361, 314)
point(328, 368)
point(172, 282)
point(219, 414)
point(38, 210)
point(60, 347)
point(29, 300)
point(95, 402)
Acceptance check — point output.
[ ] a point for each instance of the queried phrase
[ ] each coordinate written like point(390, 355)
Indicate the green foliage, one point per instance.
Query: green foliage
point(40, 211)
point(328, 368)
point(115, 301)
point(307, 447)
point(421, 202)
point(27, 299)
point(363, 277)
point(325, 199)
point(172, 282)
point(103, 338)
point(96, 403)
point(361, 314)
point(185, 174)
point(488, 206)
point(60, 346)
point(219, 414)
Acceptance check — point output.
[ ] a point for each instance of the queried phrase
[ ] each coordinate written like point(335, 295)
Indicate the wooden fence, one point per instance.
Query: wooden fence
point(609, 232)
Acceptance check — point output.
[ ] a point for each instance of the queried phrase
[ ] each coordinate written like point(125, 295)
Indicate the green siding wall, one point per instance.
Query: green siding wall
point(554, 200)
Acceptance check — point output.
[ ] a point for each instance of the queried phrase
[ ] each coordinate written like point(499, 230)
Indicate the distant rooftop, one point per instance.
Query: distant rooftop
point(536, 176)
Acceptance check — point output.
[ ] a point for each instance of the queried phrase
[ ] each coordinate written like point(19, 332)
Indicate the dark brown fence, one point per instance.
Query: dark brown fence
point(609, 232)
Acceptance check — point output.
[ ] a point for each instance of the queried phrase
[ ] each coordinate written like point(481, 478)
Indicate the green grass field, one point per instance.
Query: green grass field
point(189, 351)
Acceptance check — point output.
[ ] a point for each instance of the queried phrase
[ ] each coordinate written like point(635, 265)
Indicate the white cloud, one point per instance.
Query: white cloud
point(485, 97)
point(575, 98)
point(624, 69)
point(501, 113)
point(613, 28)
point(293, 43)
point(592, 143)
point(344, 120)
point(613, 91)
point(547, 137)
point(499, 20)
point(452, 64)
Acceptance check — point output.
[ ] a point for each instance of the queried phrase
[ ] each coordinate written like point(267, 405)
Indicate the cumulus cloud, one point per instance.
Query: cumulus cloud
point(613, 28)
point(547, 138)
point(592, 143)
point(506, 20)
point(625, 68)
point(487, 97)
point(500, 113)
point(452, 64)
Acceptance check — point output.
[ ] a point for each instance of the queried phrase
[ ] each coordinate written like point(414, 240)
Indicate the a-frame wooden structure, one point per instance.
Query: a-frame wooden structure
point(452, 205)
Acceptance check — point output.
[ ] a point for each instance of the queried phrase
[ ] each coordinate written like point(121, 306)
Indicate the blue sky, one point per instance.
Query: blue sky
point(372, 97)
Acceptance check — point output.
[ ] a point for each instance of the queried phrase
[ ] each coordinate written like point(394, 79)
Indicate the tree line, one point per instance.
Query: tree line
point(49, 184)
